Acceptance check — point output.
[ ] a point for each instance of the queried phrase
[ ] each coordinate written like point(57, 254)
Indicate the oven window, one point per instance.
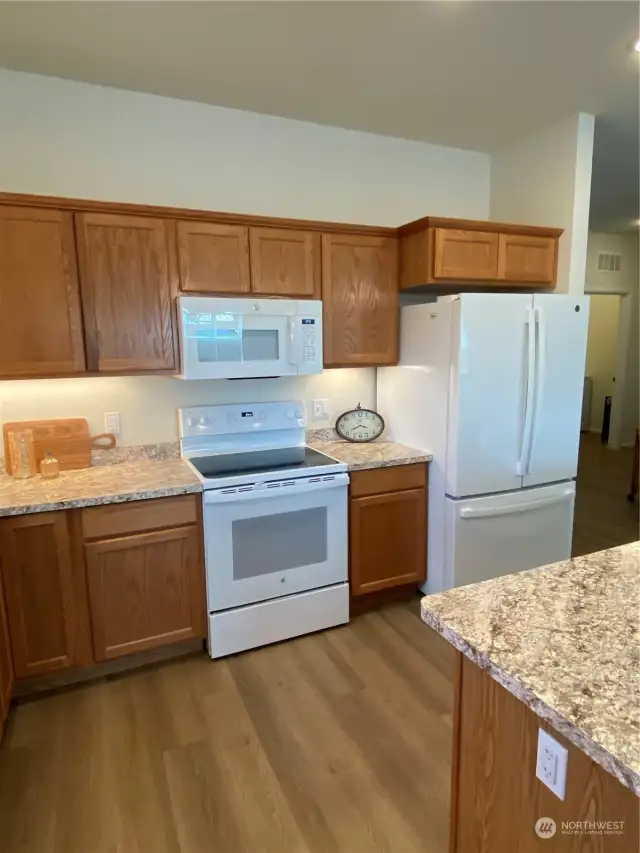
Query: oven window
point(239, 345)
point(275, 543)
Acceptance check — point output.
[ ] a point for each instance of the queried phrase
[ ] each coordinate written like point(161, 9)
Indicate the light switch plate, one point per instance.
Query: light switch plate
point(551, 763)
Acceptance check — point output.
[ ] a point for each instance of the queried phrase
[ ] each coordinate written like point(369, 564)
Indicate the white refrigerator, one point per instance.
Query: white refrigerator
point(491, 384)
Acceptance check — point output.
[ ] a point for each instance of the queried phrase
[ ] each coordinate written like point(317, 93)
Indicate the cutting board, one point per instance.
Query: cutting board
point(67, 438)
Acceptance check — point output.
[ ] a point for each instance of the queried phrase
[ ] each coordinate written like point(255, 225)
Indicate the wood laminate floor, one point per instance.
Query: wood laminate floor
point(604, 517)
point(338, 741)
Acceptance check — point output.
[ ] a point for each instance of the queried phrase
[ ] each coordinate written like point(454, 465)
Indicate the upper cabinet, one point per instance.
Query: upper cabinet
point(360, 300)
point(213, 257)
point(127, 280)
point(451, 251)
point(40, 318)
point(285, 262)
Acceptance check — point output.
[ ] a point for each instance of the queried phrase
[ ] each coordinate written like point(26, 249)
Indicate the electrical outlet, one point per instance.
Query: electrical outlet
point(112, 422)
point(551, 764)
point(321, 410)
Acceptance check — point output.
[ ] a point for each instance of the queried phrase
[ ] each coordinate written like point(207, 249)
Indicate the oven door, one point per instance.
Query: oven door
point(266, 540)
point(227, 339)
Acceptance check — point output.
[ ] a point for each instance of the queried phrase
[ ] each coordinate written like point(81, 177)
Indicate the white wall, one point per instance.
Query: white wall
point(602, 352)
point(624, 415)
point(545, 179)
point(71, 139)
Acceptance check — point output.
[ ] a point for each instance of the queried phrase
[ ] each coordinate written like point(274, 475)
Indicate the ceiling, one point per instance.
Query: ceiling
point(472, 74)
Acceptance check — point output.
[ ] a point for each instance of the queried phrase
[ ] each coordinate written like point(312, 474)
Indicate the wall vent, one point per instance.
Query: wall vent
point(608, 262)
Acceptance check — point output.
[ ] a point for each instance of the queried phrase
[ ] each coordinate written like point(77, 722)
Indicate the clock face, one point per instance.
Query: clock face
point(360, 425)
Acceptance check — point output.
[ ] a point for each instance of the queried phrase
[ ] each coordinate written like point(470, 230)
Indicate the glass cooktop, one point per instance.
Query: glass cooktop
point(294, 459)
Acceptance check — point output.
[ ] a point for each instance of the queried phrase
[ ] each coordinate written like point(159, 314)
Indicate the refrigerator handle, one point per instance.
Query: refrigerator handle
point(541, 372)
point(471, 512)
point(525, 448)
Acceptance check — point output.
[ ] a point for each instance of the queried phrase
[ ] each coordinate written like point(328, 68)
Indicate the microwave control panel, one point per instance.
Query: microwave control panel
point(307, 343)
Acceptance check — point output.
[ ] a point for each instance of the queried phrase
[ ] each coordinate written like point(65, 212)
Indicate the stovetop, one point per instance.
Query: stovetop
point(296, 461)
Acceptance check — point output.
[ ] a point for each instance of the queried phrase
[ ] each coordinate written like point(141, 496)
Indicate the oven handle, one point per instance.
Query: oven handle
point(284, 488)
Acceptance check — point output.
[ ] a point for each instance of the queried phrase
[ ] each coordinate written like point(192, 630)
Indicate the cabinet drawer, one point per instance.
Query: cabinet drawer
point(397, 478)
point(117, 519)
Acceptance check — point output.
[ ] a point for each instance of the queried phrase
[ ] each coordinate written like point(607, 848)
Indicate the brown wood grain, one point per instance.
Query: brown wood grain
point(79, 205)
point(478, 225)
point(528, 259)
point(6, 661)
point(465, 254)
point(40, 590)
point(213, 257)
point(100, 522)
point(499, 797)
point(40, 319)
point(395, 478)
point(360, 300)
point(144, 590)
point(416, 259)
point(285, 262)
point(387, 540)
point(68, 440)
point(127, 289)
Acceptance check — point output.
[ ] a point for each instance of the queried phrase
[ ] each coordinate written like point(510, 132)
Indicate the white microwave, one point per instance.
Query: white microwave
point(226, 338)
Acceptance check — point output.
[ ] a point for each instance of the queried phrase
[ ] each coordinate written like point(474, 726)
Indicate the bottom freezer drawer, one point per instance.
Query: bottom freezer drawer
point(257, 625)
point(496, 535)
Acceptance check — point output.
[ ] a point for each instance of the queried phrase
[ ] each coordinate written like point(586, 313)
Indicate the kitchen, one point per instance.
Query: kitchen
point(165, 545)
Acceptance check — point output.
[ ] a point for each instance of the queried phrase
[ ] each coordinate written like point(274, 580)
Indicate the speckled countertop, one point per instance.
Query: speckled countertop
point(376, 454)
point(565, 640)
point(125, 481)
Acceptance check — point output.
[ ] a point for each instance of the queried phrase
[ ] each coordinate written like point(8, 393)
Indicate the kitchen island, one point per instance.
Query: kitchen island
point(556, 648)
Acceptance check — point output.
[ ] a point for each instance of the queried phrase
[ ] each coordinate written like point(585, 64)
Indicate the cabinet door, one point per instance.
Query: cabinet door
point(127, 289)
point(529, 259)
point(6, 662)
point(285, 262)
point(145, 590)
point(465, 255)
point(213, 258)
point(41, 588)
point(387, 540)
point(40, 320)
point(360, 300)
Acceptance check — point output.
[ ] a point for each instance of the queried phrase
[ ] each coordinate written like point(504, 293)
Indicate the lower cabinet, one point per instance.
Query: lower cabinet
point(145, 590)
point(84, 586)
point(44, 594)
point(387, 528)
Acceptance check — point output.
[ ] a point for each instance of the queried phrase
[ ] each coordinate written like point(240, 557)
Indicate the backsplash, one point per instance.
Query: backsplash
point(147, 404)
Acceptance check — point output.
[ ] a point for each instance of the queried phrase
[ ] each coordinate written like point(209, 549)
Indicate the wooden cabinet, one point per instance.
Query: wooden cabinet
point(44, 594)
point(360, 300)
point(285, 262)
point(387, 528)
point(525, 257)
point(127, 280)
point(40, 318)
point(213, 257)
point(6, 661)
point(465, 254)
point(450, 251)
point(146, 586)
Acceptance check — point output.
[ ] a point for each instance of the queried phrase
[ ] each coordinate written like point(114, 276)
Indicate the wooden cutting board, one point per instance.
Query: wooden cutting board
point(67, 438)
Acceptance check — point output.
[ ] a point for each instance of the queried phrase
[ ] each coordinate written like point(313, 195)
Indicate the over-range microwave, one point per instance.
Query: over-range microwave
point(227, 338)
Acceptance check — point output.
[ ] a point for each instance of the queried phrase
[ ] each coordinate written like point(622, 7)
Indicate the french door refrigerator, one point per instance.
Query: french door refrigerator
point(491, 384)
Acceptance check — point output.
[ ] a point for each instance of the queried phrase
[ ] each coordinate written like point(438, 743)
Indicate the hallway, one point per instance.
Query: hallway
point(603, 516)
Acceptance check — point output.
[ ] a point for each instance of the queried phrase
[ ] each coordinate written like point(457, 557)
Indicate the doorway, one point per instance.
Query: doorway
point(603, 344)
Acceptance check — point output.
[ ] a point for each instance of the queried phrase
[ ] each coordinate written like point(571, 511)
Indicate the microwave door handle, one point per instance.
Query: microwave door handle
point(292, 354)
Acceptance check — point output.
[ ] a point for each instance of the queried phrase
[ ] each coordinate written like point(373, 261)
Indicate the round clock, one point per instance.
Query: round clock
point(360, 425)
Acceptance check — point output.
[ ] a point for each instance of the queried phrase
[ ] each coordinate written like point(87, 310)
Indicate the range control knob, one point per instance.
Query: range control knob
point(202, 421)
point(298, 414)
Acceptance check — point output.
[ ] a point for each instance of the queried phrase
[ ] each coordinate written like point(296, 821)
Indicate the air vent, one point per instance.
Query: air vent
point(608, 262)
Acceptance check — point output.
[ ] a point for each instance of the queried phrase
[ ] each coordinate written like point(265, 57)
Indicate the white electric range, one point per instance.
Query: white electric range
point(275, 524)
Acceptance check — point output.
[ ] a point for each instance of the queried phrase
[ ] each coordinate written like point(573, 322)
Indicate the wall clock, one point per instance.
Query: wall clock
point(360, 425)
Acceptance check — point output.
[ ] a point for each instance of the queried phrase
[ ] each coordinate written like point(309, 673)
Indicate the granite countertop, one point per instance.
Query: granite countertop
point(124, 481)
point(565, 640)
point(376, 454)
